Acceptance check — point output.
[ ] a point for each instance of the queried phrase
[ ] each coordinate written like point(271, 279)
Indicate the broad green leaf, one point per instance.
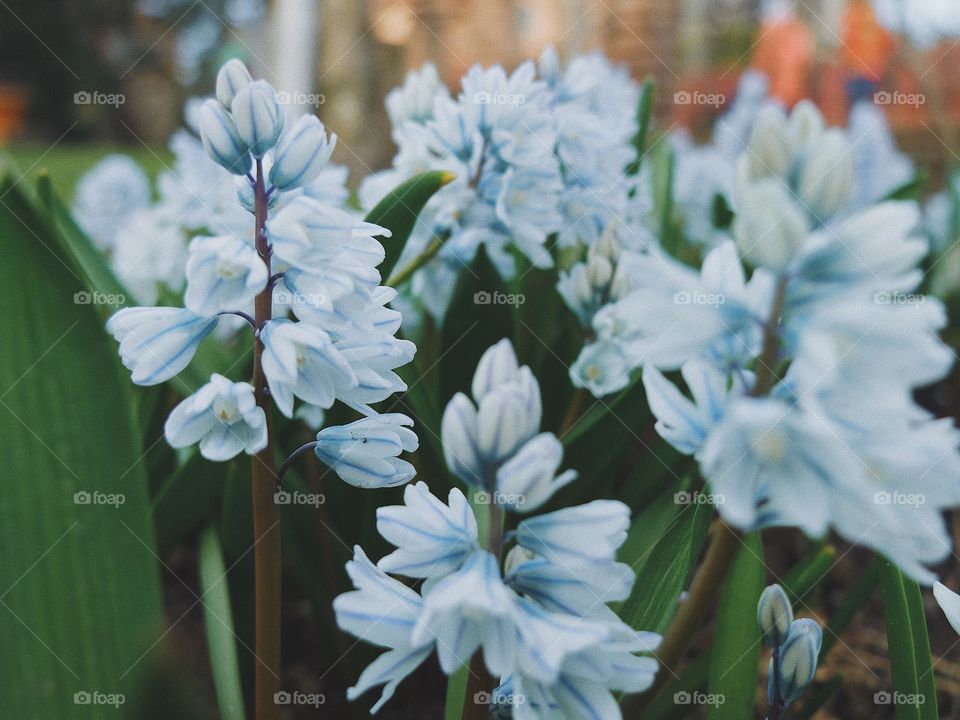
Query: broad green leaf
point(398, 213)
point(79, 583)
point(218, 624)
point(909, 646)
point(665, 573)
point(735, 655)
point(478, 318)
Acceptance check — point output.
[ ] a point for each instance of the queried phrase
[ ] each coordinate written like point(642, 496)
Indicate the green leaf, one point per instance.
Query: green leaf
point(188, 500)
point(644, 112)
point(735, 656)
point(398, 212)
point(473, 323)
point(218, 623)
point(79, 583)
point(665, 573)
point(909, 646)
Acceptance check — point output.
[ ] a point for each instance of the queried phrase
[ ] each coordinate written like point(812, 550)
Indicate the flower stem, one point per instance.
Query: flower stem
point(433, 247)
point(693, 610)
point(266, 516)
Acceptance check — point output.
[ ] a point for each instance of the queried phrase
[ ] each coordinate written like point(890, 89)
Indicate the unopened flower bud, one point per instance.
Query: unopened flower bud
point(221, 139)
point(232, 78)
point(798, 658)
point(805, 125)
point(768, 151)
point(826, 175)
point(599, 272)
point(302, 153)
point(247, 198)
point(608, 244)
point(258, 117)
point(774, 615)
point(769, 227)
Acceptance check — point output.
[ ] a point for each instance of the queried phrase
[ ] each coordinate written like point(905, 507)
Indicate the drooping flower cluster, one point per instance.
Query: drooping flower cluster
point(801, 378)
point(705, 184)
point(340, 344)
point(535, 158)
point(540, 616)
point(146, 242)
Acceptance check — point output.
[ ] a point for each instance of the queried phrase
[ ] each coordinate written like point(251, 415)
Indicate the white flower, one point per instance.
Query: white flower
point(949, 602)
point(223, 417)
point(770, 227)
point(108, 196)
point(366, 452)
point(156, 343)
point(588, 533)
point(468, 609)
point(432, 539)
point(301, 360)
point(602, 368)
point(221, 139)
point(257, 116)
point(528, 479)
point(302, 153)
point(382, 611)
point(232, 77)
point(223, 274)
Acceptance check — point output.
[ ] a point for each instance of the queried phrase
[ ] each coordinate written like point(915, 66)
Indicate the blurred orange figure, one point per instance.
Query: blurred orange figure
point(784, 51)
point(868, 49)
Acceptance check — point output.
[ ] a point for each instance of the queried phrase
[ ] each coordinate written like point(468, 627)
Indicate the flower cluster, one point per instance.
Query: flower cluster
point(535, 158)
point(540, 616)
point(802, 378)
point(705, 183)
point(795, 644)
point(340, 343)
point(146, 241)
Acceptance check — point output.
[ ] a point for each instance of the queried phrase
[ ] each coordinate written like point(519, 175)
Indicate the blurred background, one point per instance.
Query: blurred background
point(86, 78)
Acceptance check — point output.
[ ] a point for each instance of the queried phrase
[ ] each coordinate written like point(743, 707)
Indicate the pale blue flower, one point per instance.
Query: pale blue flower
point(588, 533)
point(221, 139)
point(301, 360)
point(156, 343)
point(949, 602)
point(223, 274)
point(774, 615)
point(529, 478)
point(433, 539)
point(366, 453)
point(798, 660)
point(232, 77)
point(414, 99)
point(602, 367)
point(469, 609)
point(575, 589)
point(108, 196)
point(382, 611)
point(302, 153)
point(223, 417)
point(257, 116)
point(372, 358)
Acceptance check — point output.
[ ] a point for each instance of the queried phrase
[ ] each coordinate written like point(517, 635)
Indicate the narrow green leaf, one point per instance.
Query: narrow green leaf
point(398, 212)
point(914, 697)
point(644, 113)
point(665, 573)
point(735, 655)
point(218, 624)
point(79, 583)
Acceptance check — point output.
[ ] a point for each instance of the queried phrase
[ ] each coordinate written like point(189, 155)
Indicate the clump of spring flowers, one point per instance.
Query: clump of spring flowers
point(797, 383)
point(334, 339)
point(795, 646)
point(540, 157)
point(533, 599)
